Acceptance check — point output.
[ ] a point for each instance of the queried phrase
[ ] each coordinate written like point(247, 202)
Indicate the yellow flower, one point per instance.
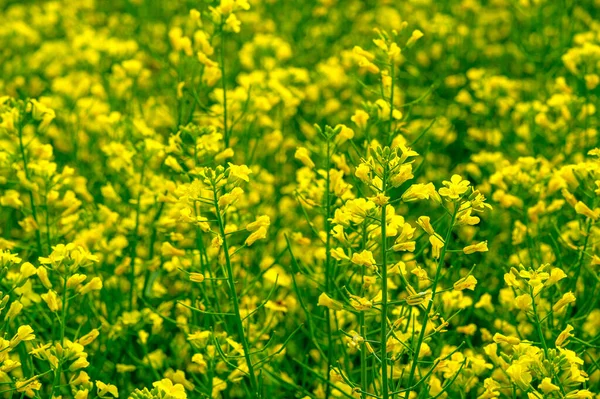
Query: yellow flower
point(125, 368)
point(479, 247)
point(229, 198)
point(11, 199)
point(364, 258)
point(172, 163)
point(166, 386)
point(466, 283)
point(167, 250)
point(360, 303)
point(523, 302)
point(326, 301)
point(95, 284)
point(24, 333)
point(520, 375)
point(232, 23)
point(360, 118)
point(556, 275)
point(89, 337)
point(339, 254)
point(259, 234)
point(14, 310)
point(197, 277)
point(363, 172)
point(28, 386)
point(469, 329)
point(303, 156)
point(455, 187)
point(500, 338)
point(239, 172)
point(52, 300)
point(195, 16)
point(75, 280)
point(27, 270)
point(105, 389)
point(421, 191)
point(416, 35)
point(401, 175)
point(425, 223)
point(437, 243)
point(580, 394)
point(547, 386)
point(584, 210)
point(563, 337)
point(41, 112)
point(42, 274)
point(261, 221)
point(345, 133)
point(564, 301)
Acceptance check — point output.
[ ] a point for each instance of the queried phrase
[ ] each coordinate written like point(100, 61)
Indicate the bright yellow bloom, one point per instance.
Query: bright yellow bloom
point(364, 258)
point(52, 300)
point(563, 337)
point(547, 386)
point(239, 172)
point(259, 234)
point(566, 299)
point(416, 35)
point(303, 156)
point(326, 301)
point(261, 221)
point(360, 118)
point(168, 250)
point(437, 243)
point(166, 386)
point(466, 283)
point(420, 192)
point(479, 247)
point(105, 389)
point(455, 187)
point(584, 210)
point(196, 277)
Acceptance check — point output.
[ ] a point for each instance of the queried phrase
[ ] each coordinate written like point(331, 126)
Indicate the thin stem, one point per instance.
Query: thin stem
point(384, 294)
point(224, 87)
point(328, 268)
point(26, 169)
point(234, 297)
point(132, 254)
point(538, 323)
point(415, 359)
point(391, 127)
point(63, 322)
point(363, 328)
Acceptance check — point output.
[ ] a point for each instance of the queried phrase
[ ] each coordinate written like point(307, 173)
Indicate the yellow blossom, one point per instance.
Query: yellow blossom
point(466, 283)
point(479, 247)
point(303, 156)
point(326, 301)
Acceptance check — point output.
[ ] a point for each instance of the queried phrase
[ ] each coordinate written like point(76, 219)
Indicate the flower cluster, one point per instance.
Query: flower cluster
point(327, 199)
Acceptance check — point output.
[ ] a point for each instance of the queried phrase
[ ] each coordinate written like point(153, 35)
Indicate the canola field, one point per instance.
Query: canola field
point(324, 199)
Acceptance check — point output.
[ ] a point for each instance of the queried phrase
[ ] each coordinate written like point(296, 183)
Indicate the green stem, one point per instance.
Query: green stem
point(391, 132)
point(234, 297)
point(224, 87)
point(430, 305)
point(328, 279)
point(63, 322)
point(132, 254)
point(384, 292)
point(363, 328)
point(26, 169)
point(538, 323)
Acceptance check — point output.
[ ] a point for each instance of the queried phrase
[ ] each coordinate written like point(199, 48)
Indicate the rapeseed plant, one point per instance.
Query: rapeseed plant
point(308, 199)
